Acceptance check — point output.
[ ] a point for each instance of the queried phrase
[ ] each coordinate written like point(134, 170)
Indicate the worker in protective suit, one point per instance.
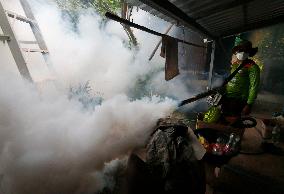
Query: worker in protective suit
point(241, 91)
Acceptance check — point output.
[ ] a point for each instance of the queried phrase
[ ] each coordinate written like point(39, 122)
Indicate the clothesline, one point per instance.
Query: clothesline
point(127, 22)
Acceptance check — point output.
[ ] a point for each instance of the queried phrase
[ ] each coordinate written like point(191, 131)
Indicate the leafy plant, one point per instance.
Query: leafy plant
point(82, 93)
point(72, 8)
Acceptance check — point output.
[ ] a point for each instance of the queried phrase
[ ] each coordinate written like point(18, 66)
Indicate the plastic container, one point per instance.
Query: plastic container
point(211, 136)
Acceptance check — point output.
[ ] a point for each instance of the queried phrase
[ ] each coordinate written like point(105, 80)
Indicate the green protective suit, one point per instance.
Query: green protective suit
point(245, 84)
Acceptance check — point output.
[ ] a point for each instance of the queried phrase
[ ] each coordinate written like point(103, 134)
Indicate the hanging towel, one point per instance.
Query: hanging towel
point(169, 50)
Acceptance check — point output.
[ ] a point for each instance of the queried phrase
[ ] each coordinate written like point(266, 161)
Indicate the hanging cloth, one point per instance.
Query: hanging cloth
point(169, 51)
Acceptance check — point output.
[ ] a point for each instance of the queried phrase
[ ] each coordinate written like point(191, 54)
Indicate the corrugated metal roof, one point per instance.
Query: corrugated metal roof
point(220, 18)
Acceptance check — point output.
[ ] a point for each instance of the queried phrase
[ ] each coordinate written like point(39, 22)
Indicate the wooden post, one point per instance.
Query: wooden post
point(159, 43)
point(211, 65)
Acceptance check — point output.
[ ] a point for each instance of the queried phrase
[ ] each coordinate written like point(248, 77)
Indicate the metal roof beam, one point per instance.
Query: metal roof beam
point(169, 9)
point(217, 9)
point(245, 14)
point(254, 26)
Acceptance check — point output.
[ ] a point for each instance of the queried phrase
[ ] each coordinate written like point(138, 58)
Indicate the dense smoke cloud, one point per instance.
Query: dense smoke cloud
point(48, 143)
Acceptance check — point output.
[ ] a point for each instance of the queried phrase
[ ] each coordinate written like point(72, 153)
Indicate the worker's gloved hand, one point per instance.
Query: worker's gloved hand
point(246, 110)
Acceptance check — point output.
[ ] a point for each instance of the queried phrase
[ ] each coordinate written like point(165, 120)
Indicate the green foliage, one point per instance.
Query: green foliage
point(271, 45)
point(82, 93)
point(72, 9)
point(142, 85)
point(270, 42)
point(101, 6)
